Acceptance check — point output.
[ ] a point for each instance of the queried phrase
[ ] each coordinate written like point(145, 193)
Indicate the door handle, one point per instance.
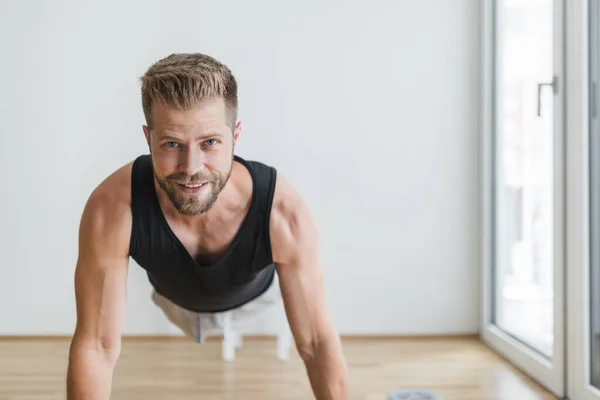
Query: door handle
point(553, 84)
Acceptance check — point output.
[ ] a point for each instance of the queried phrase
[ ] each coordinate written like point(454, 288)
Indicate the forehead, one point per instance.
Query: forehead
point(207, 115)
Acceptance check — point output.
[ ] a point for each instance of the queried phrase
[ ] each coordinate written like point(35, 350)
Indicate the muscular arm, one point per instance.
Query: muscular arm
point(294, 239)
point(100, 291)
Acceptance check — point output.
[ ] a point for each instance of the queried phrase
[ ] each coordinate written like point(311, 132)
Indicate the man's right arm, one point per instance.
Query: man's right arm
point(100, 295)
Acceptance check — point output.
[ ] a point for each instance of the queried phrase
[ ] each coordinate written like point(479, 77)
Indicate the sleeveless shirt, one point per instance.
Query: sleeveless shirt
point(242, 273)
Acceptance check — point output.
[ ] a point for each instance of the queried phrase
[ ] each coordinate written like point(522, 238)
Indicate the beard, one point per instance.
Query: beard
point(194, 204)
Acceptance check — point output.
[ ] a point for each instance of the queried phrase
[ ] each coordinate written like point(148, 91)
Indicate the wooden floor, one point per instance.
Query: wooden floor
point(176, 369)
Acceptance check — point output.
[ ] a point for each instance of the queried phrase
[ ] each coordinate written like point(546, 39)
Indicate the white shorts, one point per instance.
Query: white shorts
point(201, 325)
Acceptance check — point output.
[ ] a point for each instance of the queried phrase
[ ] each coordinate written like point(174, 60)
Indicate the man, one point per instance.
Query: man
point(211, 229)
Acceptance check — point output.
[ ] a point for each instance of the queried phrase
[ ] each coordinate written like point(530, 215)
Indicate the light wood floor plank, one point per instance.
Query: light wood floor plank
point(177, 369)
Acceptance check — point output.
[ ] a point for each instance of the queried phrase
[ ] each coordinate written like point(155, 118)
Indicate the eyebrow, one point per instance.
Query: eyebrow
point(167, 136)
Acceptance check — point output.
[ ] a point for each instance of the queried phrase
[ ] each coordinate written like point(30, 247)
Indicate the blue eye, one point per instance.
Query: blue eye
point(213, 141)
point(171, 144)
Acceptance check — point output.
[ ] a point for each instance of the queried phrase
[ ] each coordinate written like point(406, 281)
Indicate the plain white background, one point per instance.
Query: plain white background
point(370, 108)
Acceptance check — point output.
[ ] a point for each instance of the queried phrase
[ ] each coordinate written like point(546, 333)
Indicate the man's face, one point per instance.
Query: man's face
point(192, 153)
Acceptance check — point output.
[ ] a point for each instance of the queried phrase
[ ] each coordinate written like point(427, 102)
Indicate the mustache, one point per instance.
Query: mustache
point(185, 179)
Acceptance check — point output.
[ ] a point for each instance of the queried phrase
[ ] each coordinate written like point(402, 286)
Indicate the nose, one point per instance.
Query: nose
point(191, 162)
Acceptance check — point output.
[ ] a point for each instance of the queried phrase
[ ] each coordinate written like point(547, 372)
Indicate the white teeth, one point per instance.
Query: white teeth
point(193, 186)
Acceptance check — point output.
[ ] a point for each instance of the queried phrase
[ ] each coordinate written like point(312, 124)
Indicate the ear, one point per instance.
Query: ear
point(146, 134)
point(236, 132)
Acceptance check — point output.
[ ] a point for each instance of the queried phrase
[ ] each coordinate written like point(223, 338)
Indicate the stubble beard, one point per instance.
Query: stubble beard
point(191, 204)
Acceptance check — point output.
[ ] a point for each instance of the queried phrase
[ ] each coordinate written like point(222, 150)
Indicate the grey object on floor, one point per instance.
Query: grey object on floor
point(413, 394)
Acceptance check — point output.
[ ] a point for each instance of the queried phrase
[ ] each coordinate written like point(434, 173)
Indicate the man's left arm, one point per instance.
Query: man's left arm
point(295, 244)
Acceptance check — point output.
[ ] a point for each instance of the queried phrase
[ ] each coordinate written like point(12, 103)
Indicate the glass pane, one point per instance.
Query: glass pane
point(524, 175)
point(594, 194)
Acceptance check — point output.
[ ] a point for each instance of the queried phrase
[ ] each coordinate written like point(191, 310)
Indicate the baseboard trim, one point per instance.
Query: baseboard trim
point(249, 337)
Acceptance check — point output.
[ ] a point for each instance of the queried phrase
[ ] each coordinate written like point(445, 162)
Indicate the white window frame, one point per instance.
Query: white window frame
point(551, 375)
point(578, 192)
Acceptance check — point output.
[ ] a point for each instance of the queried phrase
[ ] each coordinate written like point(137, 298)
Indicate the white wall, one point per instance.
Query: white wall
point(369, 107)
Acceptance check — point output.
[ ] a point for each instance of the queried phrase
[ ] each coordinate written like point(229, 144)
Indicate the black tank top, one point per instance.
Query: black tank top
point(242, 273)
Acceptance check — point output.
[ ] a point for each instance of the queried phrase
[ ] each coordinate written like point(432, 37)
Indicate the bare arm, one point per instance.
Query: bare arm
point(294, 239)
point(100, 294)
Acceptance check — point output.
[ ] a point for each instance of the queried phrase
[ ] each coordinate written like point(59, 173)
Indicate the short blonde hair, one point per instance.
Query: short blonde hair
point(186, 80)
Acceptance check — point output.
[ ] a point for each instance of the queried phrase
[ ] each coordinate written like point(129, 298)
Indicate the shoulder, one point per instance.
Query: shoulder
point(113, 193)
point(293, 228)
point(106, 217)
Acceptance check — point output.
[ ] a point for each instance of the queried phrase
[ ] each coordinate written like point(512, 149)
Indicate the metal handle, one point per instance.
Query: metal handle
point(553, 84)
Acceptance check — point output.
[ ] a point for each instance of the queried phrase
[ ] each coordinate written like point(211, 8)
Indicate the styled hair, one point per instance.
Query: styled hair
point(186, 80)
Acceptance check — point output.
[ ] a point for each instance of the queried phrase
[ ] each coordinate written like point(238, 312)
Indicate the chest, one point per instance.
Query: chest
point(208, 243)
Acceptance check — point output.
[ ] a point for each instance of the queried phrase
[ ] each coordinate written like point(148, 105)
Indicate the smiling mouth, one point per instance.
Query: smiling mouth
point(191, 188)
point(192, 185)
